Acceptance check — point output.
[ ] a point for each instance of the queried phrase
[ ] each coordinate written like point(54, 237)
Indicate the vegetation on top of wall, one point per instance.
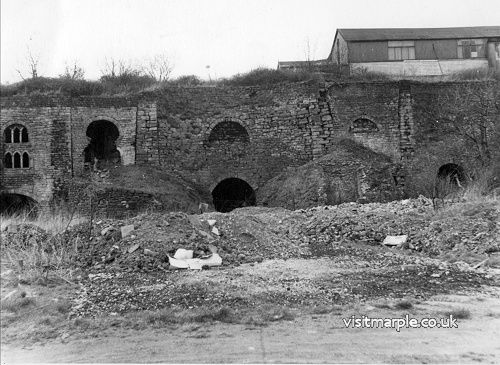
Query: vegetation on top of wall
point(266, 76)
point(476, 74)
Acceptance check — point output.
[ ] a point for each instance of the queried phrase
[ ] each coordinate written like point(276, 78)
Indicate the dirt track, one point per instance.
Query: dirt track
point(309, 338)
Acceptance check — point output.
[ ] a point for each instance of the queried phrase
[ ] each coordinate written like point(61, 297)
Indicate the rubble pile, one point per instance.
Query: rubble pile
point(366, 223)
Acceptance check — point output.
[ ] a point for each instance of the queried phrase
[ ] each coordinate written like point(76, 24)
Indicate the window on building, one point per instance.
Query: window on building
point(16, 133)
point(16, 160)
point(401, 50)
point(469, 48)
point(26, 160)
point(7, 160)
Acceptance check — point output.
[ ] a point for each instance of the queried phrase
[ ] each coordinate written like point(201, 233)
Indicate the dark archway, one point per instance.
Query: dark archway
point(228, 132)
point(101, 151)
point(452, 174)
point(18, 204)
point(232, 193)
point(363, 125)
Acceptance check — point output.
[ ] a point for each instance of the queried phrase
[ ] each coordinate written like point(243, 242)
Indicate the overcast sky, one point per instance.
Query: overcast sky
point(230, 36)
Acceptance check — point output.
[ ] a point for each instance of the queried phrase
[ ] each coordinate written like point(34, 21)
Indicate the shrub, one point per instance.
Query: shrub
point(187, 80)
point(266, 76)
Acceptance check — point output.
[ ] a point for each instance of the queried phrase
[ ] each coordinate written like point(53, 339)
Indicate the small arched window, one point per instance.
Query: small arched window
point(7, 160)
point(17, 160)
point(228, 131)
point(363, 125)
point(26, 160)
point(16, 133)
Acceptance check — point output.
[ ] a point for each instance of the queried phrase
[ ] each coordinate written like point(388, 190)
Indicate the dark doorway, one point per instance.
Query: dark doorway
point(232, 193)
point(13, 204)
point(452, 174)
point(101, 151)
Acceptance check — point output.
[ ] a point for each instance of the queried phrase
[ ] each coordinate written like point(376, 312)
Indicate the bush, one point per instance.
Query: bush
point(57, 86)
point(187, 80)
point(266, 76)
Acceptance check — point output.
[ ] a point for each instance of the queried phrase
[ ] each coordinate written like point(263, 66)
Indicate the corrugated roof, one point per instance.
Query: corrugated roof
point(379, 34)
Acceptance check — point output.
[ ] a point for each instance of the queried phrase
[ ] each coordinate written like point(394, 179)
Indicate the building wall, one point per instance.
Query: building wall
point(368, 51)
point(412, 68)
point(285, 125)
point(340, 52)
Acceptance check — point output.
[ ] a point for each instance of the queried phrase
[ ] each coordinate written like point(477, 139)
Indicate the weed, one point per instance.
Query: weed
point(459, 313)
point(403, 304)
point(16, 304)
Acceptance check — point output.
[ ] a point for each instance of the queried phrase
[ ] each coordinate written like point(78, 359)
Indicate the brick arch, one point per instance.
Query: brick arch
point(107, 119)
point(231, 193)
point(364, 124)
point(249, 180)
point(22, 191)
point(212, 125)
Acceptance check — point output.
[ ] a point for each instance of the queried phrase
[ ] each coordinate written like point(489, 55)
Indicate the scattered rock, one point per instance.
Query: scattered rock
point(134, 248)
point(149, 252)
point(395, 240)
point(126, 230)
point(107, 230)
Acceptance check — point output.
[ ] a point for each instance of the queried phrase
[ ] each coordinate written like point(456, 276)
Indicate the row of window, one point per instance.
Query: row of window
point(405, 50)
point(16, 160)
point(16, 133)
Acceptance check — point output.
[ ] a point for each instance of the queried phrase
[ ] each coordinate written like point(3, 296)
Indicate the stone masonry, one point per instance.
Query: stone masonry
point(183, 130)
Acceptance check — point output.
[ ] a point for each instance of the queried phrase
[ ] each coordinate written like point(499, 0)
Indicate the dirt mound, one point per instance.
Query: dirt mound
point(350, 172)
point(463, 231)
point(127, 190)
point(467, 231)
point(243, 235)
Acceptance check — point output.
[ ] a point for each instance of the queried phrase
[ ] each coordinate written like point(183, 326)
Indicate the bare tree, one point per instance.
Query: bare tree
point(116, 68)
point(73, 71)
point(469, 112)
point(33, 62)
point(158, 67)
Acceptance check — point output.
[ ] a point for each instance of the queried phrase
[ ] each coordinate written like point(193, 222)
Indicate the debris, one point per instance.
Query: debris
point(203, 207)
point(211, 222)
point(13, 228)
point(106, 230)
point(182, 254)
point(395, 240)
point(126, 230)
point(134, 248)
point(149, 252)
point(478, 265)
point(215, 230)
point(195, 264)
point(6, 273)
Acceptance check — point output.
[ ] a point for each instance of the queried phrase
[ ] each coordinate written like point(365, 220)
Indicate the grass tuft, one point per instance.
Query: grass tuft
point(403, 304)
point(459, 313)
point(14, 305)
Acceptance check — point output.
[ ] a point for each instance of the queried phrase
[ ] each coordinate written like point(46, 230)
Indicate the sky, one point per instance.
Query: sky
point(210, 39)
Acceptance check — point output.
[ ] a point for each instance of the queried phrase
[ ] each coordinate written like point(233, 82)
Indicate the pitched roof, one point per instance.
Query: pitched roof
point(418, 33)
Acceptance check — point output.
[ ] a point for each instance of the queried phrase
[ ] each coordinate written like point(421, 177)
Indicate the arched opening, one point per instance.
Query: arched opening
point(7, 160)
point(13, 204)
point(101, 151)
point(16, 133)
point(26, 160)
point(452, 174)
point(363, 125)
point(230, 132)
point(17, 160)
point(232, 193)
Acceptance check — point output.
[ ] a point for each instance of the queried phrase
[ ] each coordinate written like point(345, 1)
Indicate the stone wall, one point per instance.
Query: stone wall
point(208, 134)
